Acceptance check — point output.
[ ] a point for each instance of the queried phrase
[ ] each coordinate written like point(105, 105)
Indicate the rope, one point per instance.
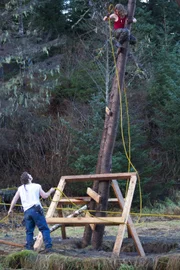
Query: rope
point(127, 154)
point(4, 219)
point(62, 193)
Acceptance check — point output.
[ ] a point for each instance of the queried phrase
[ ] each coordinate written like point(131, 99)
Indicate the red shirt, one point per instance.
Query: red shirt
point(120, 23)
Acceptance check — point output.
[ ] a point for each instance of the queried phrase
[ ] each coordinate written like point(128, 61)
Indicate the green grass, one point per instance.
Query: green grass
point(126, 267)
point(32, 260)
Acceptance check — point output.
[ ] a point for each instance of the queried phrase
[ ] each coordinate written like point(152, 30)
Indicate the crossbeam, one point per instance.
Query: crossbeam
point(99, 177)
point(82, 200)
point(85, 220)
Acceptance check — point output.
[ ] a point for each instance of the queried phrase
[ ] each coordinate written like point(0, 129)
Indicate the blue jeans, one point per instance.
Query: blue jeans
point(35, 217)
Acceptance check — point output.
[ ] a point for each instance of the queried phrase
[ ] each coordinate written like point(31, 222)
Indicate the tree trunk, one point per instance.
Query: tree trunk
point(88, 232)
point(107, 147)
point(108, 140)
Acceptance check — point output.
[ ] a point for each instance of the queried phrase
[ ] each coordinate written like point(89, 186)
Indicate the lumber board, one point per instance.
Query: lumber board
point(51, 210)
point(85, 220)
point(129, 198)
point(130, 223)
point(93, 226)
point(63, 227)
point(119, 239)
point(56, 198)
point(100, 177)
point(125, 215)
point(82, 200)
point(94, 195)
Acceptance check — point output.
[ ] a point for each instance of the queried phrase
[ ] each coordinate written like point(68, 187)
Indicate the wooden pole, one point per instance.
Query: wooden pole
point(11, 243)
point(109, 133)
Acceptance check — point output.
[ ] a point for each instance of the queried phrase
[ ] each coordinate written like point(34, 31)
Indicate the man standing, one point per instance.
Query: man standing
point(30, 193)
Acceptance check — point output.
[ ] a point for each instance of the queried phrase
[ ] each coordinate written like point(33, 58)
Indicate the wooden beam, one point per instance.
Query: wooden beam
point(11, 243)
point(94, 195)
point(93, 226)
point(57, 196)
point(125, 215)
point(51, 210)
point(129, 198)
point(100, 177)
point(82, 200)
point(130, 224)
point(85, 220)
point(63, 227)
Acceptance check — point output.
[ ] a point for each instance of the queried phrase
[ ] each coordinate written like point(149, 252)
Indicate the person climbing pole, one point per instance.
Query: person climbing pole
point(30, 193)
point(120, 18)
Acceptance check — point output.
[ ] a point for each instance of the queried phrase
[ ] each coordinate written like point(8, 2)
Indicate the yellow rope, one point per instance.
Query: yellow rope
point(128, 156)
point(3, 220)
point(110, 8)
point(64, 195)
point(129, 136)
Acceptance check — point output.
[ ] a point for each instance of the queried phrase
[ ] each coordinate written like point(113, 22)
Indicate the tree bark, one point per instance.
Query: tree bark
point(107, 147)
point(109, 135)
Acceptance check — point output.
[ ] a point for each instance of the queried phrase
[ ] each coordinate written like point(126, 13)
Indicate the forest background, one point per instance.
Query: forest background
point(56, 72)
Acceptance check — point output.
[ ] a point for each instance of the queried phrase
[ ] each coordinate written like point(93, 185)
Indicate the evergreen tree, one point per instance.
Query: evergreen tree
point(163, 114)
point(49, 18)
point(77, 14)
point(165, 13)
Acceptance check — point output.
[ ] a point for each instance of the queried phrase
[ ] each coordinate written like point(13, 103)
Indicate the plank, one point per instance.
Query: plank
point(129, 198)
point(93, 226)
point(94, 195)
point(56, 198)
point(125, 214)
point(85, 220)
point(130, 224)
point(82, 200)
point(63, 228)
point(119, 239)
point(100, 177)
point(57, 195)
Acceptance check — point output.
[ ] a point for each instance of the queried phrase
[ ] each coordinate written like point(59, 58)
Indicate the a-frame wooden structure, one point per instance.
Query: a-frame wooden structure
point(124, 221)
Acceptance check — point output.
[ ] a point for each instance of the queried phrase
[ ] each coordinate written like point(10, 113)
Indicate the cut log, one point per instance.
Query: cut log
point(11, 243)
point(74, 214)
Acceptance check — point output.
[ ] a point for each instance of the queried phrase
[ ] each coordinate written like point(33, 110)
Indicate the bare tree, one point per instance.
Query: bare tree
point(107, 142)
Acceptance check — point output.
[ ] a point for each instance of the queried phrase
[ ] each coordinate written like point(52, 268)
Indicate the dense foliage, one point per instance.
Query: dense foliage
point(55, 75)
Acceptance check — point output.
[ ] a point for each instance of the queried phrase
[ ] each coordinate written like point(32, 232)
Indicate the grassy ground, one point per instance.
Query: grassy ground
point(159, 237)
point(158, 230)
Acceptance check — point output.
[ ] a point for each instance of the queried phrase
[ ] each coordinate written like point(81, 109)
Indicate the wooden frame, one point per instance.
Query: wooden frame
point(124, 221)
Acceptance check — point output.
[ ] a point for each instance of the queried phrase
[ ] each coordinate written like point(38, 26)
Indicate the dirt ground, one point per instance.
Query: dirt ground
point(158, 237)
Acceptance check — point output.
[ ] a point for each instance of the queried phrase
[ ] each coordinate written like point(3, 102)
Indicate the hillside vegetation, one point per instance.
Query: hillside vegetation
point(56, 73)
